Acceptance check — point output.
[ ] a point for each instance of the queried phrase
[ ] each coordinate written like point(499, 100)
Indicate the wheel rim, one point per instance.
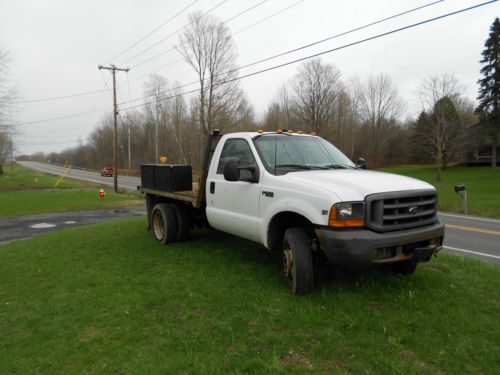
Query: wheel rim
point(288, 263)
point(158, 226)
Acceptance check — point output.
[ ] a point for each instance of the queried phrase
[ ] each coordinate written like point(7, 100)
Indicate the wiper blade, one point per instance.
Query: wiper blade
point(298, 166)
point(338, 166)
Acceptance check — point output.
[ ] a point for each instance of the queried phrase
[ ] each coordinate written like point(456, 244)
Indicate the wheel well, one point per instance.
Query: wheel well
point(280, 223)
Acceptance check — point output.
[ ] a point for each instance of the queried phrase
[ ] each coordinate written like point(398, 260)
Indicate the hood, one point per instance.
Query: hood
point(355, 185)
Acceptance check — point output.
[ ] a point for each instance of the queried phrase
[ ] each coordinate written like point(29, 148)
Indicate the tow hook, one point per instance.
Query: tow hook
point(424, 254)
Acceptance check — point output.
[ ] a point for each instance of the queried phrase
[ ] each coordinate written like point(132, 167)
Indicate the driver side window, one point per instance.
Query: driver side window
point(237, 148)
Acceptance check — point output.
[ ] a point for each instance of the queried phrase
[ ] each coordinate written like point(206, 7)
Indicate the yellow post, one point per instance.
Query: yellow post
point(66, 170)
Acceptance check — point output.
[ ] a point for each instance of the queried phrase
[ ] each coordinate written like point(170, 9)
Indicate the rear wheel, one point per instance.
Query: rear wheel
point(183, 221)
point(164, 223)
point(297, 261)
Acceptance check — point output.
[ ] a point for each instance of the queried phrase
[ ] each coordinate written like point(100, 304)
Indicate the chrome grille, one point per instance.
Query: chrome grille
point(401, 210)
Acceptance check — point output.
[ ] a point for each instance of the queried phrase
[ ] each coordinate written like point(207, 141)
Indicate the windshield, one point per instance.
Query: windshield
point(283, 153)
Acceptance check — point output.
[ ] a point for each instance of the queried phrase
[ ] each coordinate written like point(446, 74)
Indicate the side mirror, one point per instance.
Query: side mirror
point(232, 169)
point(361, 163)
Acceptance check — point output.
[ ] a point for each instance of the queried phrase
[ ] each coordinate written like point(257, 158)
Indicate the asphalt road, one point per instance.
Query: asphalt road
point(124, 182)
point(472, 236)
point(465, 235)
point(16, 228)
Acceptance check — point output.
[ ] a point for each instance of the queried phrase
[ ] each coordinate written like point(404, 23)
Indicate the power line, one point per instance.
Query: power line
point(156, 56)
point(63, 96)
point(327, 51)
point(237, 32)
point(172, 34)
point(300, 48)
point(46, 143)
point(154, 30)
point(228, 20)
point(157, 70)
point(270, 16)
point(245, 11)
point(53, 136)
point(60, 118)
point(342, 34)
point(59, 97)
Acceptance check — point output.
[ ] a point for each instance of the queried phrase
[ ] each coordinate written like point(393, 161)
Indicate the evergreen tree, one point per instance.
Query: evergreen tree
point(421, 149)
point(489, 85)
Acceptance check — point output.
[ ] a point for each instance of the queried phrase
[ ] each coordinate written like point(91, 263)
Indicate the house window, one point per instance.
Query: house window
point(484, 152)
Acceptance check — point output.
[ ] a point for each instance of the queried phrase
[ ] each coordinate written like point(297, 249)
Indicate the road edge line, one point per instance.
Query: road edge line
point(471, 252)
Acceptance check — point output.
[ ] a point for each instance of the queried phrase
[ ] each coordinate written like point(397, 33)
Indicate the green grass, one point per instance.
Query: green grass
point(25, 192)
point(34, 202)
point(108, 299)
point(482, 183)
point(20, 178)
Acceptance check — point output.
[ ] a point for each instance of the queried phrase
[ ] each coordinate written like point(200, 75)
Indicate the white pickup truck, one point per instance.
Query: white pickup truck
point(297, 194)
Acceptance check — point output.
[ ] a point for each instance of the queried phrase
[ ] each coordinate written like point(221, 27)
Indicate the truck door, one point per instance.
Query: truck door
point(233, 206)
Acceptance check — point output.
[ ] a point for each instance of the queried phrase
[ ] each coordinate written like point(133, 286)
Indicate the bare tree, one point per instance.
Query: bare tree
point(272, 117)
point(380, 107)
point(279, 113)
point(176, 109)
point(315, 89)
point(7, 97)
point(444, 133)
point(155, 88)
point(285, 104)
point(208, 47)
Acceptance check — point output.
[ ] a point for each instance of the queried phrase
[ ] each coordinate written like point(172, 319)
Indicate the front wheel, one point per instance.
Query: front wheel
point(297, 261)
point(164, 223)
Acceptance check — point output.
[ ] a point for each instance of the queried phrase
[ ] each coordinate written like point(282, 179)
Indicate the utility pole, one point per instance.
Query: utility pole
point(113, 70)
point(129, 157)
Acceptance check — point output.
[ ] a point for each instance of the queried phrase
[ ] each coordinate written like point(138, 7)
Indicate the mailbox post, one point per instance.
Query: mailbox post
point(460, 190)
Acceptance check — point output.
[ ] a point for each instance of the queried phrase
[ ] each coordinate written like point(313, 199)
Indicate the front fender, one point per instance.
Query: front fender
point(314, 209)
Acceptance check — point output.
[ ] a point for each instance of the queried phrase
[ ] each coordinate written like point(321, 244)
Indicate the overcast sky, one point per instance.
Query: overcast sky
point(56, 46)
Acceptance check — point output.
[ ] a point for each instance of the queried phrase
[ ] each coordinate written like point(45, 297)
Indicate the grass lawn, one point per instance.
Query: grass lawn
point(482, 183)
point(108, 299)
point(20, 178)
point(25, 192)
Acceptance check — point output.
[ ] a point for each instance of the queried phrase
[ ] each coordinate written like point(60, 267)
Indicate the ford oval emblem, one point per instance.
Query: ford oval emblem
point(413, 210)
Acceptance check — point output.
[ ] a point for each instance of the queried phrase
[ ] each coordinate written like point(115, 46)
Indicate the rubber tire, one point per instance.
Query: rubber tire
point(406, 267)
point(164, 223)
point(302, 270)
point(183, 221)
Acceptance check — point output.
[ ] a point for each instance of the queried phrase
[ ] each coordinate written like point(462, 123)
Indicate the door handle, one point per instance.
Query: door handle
point(212, 187)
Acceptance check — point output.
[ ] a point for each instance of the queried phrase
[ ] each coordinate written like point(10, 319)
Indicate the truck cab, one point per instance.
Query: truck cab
point(259, 185)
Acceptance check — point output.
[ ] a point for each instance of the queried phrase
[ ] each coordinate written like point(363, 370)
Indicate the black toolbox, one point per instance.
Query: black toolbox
point(167, 177)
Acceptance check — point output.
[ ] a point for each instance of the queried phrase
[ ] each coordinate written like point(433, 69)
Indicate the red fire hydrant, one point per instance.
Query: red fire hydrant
point(102, 194)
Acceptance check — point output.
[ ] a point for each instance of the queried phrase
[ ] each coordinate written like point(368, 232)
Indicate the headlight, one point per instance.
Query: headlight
point(347, 215)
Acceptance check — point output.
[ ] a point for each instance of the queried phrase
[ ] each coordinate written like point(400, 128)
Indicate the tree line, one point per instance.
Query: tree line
point(363, 118)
